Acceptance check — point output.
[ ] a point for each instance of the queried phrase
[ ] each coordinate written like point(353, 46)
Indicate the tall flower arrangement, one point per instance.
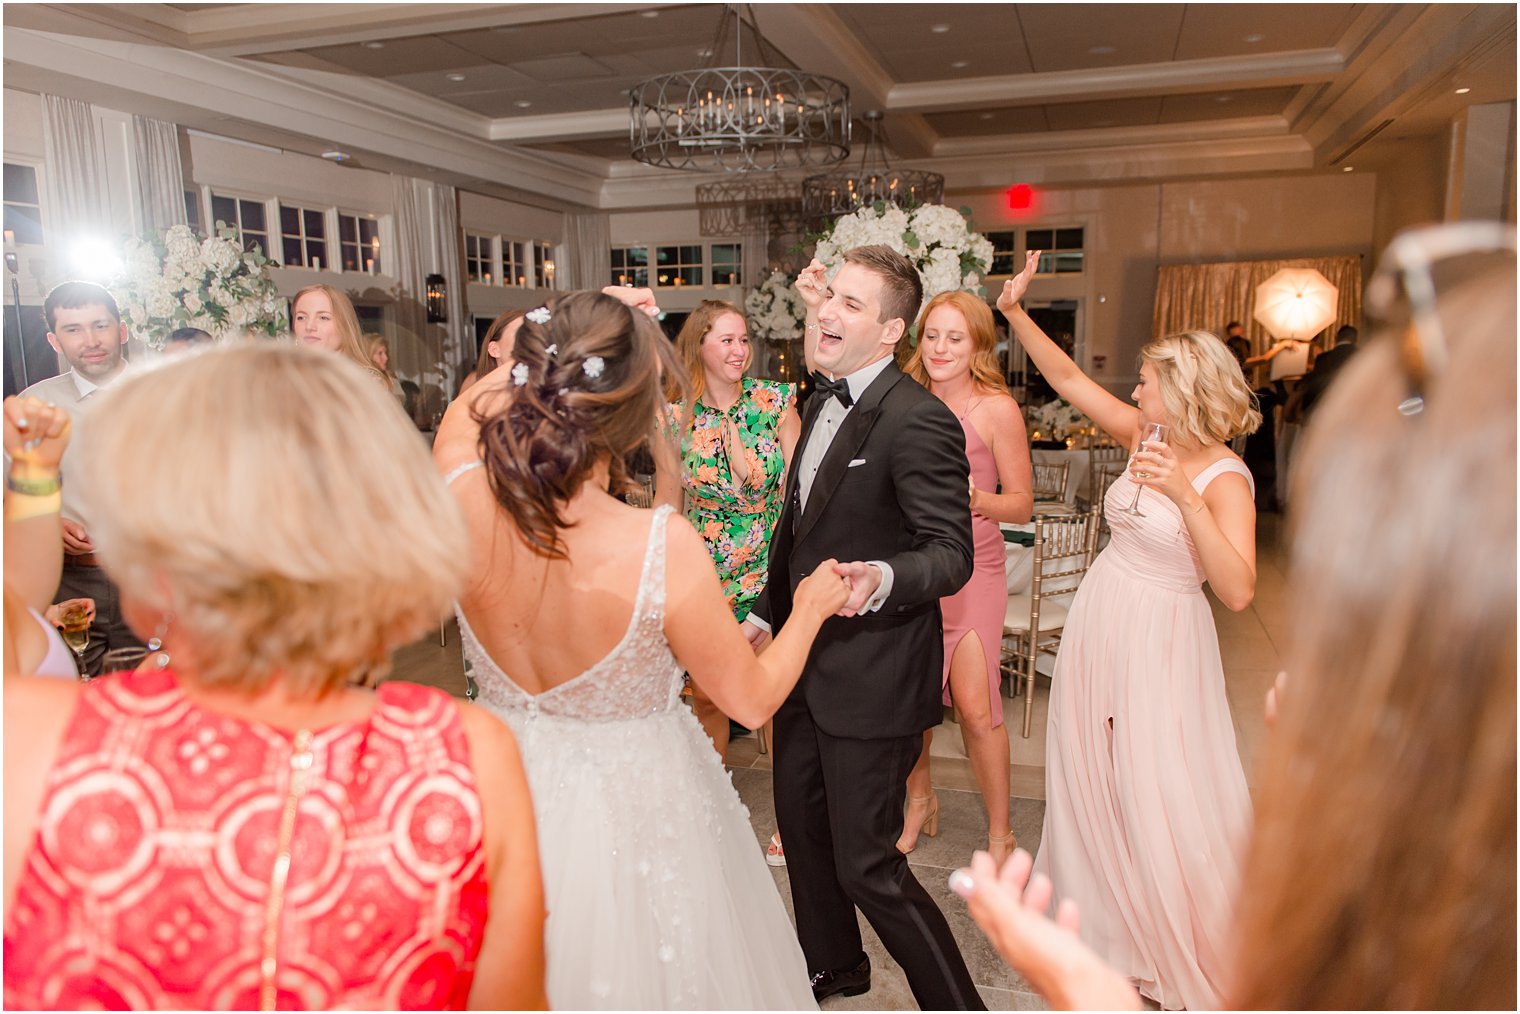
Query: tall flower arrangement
point(175, 280)
point(938, 240)
point(775, 310)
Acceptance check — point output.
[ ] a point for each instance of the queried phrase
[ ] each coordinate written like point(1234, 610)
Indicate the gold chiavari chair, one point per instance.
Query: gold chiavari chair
point(1050, 480)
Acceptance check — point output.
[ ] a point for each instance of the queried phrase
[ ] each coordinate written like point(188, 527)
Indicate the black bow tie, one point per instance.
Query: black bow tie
point(840, 389)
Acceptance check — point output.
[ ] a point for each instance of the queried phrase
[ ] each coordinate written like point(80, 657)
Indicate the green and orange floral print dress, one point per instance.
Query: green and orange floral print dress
point(735, 519)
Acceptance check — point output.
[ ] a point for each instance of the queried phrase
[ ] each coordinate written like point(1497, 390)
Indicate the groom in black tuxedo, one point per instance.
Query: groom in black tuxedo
point(879, 478)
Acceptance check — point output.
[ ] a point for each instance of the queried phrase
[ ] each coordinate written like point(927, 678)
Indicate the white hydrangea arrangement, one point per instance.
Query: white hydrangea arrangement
point(938, 240)
point(177, 281)
point(775, 310)
point(1059, 419)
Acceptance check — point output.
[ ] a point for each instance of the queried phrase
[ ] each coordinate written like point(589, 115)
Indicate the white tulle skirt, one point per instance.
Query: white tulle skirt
point(658, 893)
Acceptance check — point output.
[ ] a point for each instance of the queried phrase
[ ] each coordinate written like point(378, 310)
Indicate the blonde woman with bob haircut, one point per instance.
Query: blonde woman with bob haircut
point(579, 616)
point(323, 317)
point(1145, 800)
point(1404, 525)
point(257, 573)
point(956, 359)
point(736, 436)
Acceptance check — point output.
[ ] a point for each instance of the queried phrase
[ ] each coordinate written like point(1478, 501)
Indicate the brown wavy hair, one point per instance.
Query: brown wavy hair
point(1381, 874)
point(493, 333)
point(985, 372)
point(689, 341)
point(553, 430)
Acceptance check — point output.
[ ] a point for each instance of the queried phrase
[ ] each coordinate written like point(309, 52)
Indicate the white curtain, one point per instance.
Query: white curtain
point(588, 251)
point(160, 178)
point(75, 172)
point(436, 356)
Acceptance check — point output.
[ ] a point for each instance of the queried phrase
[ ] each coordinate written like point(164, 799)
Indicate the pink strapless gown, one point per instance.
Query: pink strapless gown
point(1146, 804)
point(980, 604)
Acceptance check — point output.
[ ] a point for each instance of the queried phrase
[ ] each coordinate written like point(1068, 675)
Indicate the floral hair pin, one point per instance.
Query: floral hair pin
point(593, 366)
point(539, 315)
point(520, 374)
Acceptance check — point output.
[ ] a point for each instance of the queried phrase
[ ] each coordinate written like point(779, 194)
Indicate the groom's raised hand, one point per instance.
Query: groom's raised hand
point(864, 579)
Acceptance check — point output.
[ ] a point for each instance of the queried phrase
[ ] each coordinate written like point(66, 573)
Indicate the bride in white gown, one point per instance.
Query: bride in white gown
point(579, 617)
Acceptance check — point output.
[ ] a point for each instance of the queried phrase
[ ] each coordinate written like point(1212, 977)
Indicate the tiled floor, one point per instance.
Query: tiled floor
point(1250, 643)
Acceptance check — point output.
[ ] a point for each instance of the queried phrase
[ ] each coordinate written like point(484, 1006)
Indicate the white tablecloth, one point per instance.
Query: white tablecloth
point(1076, 475)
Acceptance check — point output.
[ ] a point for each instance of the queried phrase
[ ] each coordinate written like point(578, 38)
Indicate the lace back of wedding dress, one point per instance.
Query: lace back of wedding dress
point(637, 678)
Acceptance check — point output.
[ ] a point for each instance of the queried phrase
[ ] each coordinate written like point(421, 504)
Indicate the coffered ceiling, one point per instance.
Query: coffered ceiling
point(530, 100)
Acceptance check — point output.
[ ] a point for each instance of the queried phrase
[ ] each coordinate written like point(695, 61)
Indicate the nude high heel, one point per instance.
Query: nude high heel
point(929, 825)
point(1000, 847)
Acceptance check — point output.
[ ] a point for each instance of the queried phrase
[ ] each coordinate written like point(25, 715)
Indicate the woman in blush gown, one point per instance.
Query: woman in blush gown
point(1146, 804)
point(579, 616)
point(956, 359)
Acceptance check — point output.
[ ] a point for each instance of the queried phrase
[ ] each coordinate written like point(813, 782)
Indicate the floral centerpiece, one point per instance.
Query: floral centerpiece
point(1058, 420)
point(938, 240)
point(775, 310)
point(175, 280)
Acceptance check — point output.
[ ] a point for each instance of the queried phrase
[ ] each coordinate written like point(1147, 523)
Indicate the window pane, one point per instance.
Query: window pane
point(1068, 239)
point(689, 276)
point(293, 252)
point(1002, 264)
point(290, 220)
point(316, 253)
point(1039, 239)
point(1069, 263)
point(369, 233)
point(316, 224)
point(346, 233)
point(224, 210)
point(21, 184)
point(26, 223)
point(256, 239)
point(253, 215)
point(193, 210)
point(1047, 265)
point(350, 257)
point(1002, 242)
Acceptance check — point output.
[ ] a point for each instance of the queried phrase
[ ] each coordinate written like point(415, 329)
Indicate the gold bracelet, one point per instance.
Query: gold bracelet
point(1201, 505)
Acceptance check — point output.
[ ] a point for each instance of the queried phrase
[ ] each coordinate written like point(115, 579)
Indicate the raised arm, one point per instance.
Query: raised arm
point(36, 434)
point(812, 285)
point(709, 645)
point(1114, 417)
point(1004, 424)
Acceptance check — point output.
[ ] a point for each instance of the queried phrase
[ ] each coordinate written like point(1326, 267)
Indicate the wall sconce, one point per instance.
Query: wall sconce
point(437, 300)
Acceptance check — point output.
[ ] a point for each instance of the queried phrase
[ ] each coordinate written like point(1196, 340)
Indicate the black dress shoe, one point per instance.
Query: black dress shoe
point(851, 982)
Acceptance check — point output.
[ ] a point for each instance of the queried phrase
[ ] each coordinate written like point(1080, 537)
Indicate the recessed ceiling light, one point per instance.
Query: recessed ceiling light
point(649, 14)
point(1463, 91)
point(1347, 169)
point(374, 45)
point(336, 156)
point(1102, 50)
point(454, 77)
point(1224, 98)
point(939, 29)
point(522, 103)
point(987, 116)
point(1255, 37)
point(958, 64)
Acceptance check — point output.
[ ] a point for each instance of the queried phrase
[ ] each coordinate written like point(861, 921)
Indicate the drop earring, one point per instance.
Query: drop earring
point(160, 657)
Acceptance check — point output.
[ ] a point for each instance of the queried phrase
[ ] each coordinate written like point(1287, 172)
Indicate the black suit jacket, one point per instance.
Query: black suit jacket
point(904, 502)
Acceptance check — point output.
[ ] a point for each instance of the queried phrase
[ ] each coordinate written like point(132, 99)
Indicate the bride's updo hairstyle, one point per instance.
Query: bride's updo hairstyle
point(1202, 389)
point(587, 384)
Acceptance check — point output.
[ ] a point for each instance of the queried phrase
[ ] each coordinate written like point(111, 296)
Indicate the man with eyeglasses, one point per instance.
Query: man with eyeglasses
point(85, 328)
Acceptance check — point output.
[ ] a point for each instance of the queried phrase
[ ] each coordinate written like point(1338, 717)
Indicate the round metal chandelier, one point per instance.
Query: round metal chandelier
point(736, 204)
point(740, 119)
point(830, 195)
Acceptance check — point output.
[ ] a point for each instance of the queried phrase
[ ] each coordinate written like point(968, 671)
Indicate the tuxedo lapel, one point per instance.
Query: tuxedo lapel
point(852, 433)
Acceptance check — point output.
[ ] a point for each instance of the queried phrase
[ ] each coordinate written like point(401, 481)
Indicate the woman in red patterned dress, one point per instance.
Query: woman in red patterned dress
point(244, 828)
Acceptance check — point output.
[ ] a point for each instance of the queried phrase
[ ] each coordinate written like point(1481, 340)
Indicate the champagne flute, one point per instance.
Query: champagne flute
point(1153, 433)
point(76, 634)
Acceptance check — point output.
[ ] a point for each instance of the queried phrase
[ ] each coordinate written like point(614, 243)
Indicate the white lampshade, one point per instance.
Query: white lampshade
point(1295, 303)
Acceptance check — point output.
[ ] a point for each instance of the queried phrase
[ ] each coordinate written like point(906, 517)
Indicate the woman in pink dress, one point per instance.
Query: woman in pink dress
point(1145, 801)
point(956, 359)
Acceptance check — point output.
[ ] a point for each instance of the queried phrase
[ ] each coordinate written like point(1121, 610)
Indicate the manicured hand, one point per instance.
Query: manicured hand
point(1015, 288)
point(812, 284)
point(639, 299)
point(36, 432)
point(1155, 466)
point(76, 541)
point(54, 613)
point(824, 590)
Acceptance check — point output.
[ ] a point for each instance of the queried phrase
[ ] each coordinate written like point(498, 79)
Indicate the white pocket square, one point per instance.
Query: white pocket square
point(857, 461)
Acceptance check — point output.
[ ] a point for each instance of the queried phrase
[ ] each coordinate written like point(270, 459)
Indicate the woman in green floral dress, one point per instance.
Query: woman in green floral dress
point(736, 435)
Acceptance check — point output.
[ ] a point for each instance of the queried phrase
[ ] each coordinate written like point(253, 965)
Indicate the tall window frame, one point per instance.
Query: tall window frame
point(480, 263)
point(303, 237)
point(360, 248)
point(249, 215)
point(1062, 249)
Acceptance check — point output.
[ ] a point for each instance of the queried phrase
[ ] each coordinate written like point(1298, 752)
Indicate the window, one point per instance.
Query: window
point(543, 266)
point(244, 215)
point(23, 204)
point(1003, 260)
point(359, 243)
point(727, 264)
point(630, 266)
point(303, 235)
point(679, 266)
point(515, 262)
point(480, 258)
point(1062, 250)
point(193, 211)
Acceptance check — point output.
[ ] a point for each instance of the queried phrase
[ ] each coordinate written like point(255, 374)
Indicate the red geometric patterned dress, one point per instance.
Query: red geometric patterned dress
point(190, 859)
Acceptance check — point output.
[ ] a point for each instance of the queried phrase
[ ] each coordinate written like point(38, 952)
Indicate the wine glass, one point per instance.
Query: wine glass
point(1154, 433)
point(76, 633)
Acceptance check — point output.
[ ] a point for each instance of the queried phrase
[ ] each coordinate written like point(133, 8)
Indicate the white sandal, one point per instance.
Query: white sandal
point(773, 854)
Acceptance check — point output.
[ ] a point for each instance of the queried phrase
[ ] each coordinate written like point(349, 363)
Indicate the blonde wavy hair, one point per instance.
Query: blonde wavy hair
point(1202, 389)
point(283, 548)
point(985, 372)
point(689, 340)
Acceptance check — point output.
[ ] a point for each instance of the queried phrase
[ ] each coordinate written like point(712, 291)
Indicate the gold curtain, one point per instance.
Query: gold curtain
point(1205, 297)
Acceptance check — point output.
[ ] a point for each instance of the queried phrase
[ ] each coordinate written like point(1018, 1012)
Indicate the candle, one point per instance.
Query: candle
point(369, 265)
